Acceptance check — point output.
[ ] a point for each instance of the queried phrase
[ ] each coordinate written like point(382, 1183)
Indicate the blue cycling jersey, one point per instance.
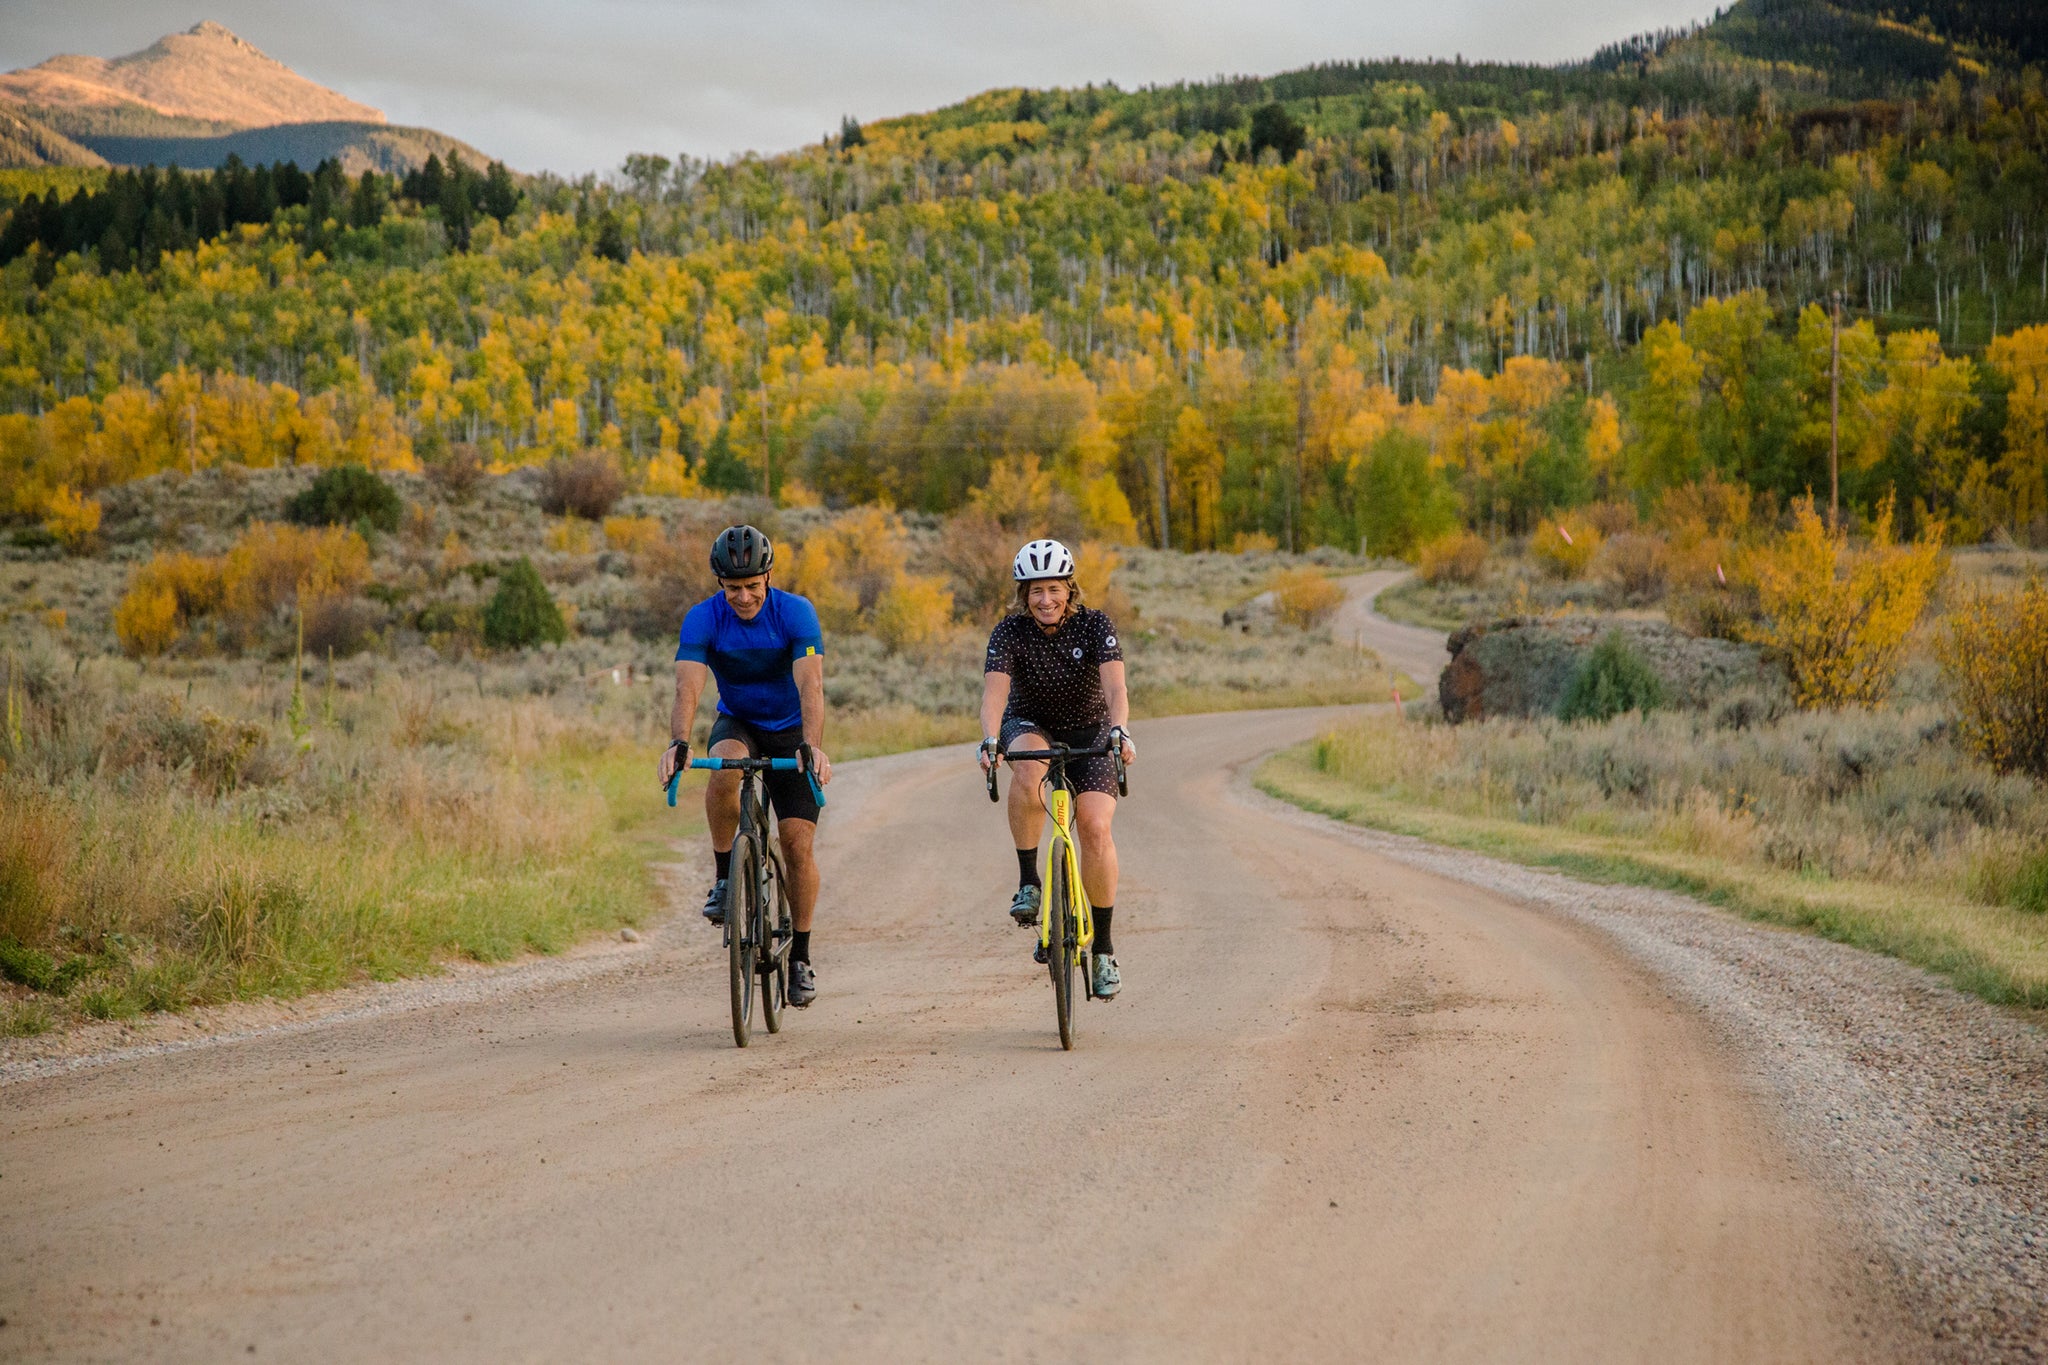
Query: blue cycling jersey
point(751, 659)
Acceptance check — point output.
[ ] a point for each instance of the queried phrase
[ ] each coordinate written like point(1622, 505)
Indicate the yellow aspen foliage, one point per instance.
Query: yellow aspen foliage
point(631, 535)
point(1603, 437)
point(1565, 546)
point(1667, 449)
point(146, 620)
point(73, 520)
point(1839, 619)
point(845, 568)
point(670, 474)
point(1095, 565)
point(1995, 655)
point(2021, 358)
point(913, 613)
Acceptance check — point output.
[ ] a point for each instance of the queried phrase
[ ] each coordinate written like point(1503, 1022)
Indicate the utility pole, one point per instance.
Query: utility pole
point(1835, 417)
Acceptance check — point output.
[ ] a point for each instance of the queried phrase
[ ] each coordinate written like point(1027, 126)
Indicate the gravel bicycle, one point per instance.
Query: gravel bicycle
point(757, 920)
point(1066, 922)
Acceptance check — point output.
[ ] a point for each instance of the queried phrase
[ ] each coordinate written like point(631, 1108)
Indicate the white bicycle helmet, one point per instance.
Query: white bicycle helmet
point(1042, 559)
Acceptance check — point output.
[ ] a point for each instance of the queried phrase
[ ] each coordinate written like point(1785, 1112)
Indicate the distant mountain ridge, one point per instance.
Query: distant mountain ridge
point(205, 73)
point(193, 99)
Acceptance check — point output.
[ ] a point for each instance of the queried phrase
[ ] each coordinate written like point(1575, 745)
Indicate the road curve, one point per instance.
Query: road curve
point(1413, 650)
point(1344, 1110)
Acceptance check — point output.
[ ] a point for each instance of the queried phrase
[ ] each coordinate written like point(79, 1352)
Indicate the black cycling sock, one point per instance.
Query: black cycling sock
point(799, 945)
point(1027, 867)
point(1103, 946)
point(723, 862)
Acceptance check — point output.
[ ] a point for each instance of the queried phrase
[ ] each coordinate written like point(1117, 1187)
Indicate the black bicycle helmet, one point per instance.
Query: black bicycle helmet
point(741, 552)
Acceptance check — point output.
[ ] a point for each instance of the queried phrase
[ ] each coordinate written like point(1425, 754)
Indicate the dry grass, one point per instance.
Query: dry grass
point(1869, 827)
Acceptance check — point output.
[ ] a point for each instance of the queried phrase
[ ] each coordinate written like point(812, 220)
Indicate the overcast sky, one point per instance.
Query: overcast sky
point(574, 85)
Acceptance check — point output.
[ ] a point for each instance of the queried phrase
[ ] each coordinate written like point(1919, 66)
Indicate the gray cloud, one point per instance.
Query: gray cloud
point(571, 88)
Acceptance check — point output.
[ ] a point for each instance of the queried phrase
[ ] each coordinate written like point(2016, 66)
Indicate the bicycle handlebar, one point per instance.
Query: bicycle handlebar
point(751, 765)
point(1061, 752)
point(1109, 748)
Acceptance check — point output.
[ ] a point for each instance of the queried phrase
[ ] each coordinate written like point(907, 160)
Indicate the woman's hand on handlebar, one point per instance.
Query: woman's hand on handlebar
point(1130, 746)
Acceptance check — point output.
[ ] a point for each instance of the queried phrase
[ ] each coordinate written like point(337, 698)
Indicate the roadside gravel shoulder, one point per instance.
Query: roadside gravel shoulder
point(1926, 1108)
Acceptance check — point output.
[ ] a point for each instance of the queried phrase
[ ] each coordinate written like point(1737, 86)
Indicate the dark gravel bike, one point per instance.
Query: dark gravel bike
point(757, 918)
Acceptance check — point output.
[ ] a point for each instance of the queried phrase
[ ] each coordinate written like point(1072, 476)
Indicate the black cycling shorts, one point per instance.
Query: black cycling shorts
point(789, 793)
point(1083, 774)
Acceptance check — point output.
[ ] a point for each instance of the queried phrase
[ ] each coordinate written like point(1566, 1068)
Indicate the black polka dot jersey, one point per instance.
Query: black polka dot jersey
point(1056, 679)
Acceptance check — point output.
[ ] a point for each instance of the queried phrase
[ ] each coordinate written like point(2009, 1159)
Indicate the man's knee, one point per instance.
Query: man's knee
point(797, 837)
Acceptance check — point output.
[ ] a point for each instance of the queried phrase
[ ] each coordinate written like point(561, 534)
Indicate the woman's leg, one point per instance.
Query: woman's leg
point(1093, 812)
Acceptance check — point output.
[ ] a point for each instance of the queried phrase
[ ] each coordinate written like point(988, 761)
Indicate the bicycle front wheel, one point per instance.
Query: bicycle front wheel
point(1061, 949)
point(742, 914)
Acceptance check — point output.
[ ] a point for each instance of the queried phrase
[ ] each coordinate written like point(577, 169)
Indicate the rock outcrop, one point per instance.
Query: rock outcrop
point(1521, 666)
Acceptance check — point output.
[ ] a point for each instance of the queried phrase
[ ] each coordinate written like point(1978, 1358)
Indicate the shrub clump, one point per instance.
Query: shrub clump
point(587, 486)
point(347, 495)
point(270, 568)
point(1565, 547)
point(522, 613)
point(1305, 598)
point(1613, 680)
point(1840, 621)
point(1456, 558)
point(1995, 654)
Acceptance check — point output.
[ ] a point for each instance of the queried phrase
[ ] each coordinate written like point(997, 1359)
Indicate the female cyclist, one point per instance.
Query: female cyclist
point(1055, 675)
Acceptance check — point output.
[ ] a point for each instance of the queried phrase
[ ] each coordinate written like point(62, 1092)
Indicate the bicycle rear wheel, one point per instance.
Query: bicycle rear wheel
point(1061, 949)
point(773, 966)
point(742, 901)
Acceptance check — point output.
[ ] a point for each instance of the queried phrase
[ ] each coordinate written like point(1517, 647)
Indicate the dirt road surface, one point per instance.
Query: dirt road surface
point(1344, 1110)
point(1417, 652)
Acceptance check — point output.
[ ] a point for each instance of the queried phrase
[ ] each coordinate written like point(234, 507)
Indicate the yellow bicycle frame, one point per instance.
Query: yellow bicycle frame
point(1060, 803)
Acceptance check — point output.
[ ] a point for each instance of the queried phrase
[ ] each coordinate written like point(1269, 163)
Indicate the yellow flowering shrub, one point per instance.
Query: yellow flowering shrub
point(1305, 598)
point(1995, 653)
point(1565, 547)
point(1459, 557)
point(74, 520)
point(1841, 619)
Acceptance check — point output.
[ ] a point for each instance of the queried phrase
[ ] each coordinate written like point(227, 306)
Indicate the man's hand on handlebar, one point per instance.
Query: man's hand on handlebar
point(821, 766)
point(675, 757)
point(990, 754)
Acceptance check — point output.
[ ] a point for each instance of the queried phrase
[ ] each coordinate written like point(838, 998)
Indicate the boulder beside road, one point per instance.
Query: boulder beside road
point(1521, 666)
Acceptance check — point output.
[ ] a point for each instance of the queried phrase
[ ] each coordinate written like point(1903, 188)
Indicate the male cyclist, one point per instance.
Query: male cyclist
point(767, 652)
point(1055, 675)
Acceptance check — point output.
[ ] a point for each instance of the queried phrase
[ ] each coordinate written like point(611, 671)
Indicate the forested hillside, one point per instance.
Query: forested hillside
point(1360, 300)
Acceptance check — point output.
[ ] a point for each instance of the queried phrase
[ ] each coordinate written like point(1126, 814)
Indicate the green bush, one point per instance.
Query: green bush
point(347, 495)
point(1614, 679)
point(521, 613)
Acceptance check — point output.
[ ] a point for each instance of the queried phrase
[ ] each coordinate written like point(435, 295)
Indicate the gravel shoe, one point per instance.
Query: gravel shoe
point(1024, 905)
point(803, 984)
point(1108, 980)
point(714, 902)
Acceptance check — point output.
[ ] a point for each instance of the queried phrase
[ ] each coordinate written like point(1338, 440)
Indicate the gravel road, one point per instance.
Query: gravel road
point(1362, 1098)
